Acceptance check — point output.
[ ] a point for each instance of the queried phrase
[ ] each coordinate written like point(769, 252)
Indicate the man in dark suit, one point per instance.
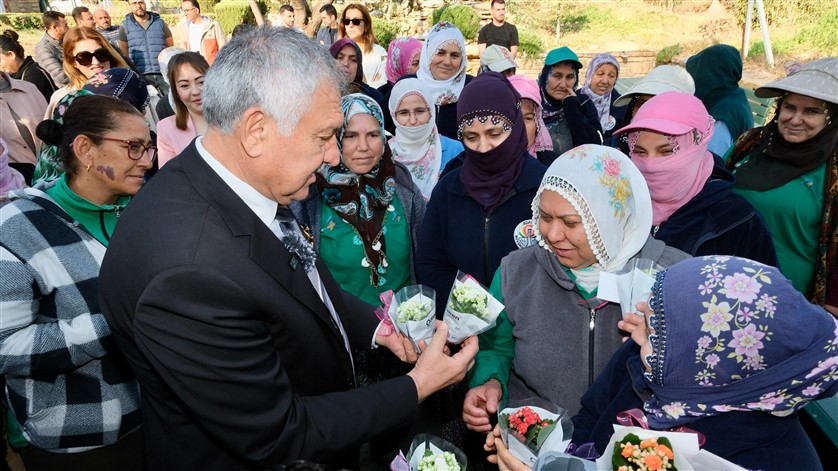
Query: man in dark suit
point(238, 335)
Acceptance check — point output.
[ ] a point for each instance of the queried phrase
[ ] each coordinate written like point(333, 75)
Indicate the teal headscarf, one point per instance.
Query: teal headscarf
point(717, 71)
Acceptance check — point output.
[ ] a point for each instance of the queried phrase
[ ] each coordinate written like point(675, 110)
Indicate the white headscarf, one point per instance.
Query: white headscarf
point(611, 196)
point(419, 148)
point(448, 91)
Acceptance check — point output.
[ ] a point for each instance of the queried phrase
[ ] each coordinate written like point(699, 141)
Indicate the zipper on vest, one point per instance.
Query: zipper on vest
point(591, 326)
point(486, 249)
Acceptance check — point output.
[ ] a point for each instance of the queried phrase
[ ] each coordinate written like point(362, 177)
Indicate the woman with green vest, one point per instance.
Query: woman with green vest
point(73, 401)
point(592, 214)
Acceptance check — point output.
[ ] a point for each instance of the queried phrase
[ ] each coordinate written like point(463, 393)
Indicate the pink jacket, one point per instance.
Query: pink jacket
point(171, 141)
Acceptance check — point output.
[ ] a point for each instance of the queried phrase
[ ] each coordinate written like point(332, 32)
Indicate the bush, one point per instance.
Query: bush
point(530, 45)
point(779, 47)
point(22, 21)
point(463, 17)
point(823, 34)
point(666, 54)
point(384, 31)
point(171, 19)
point(235, 12)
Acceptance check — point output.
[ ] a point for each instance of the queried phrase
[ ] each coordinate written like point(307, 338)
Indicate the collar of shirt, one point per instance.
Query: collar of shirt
point(264, 207)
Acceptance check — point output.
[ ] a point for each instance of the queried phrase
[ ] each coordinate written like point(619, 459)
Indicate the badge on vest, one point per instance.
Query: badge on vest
point(524, 234)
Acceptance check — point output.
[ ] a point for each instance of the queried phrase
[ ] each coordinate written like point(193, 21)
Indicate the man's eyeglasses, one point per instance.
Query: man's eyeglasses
point(85, 58)
point(354, 21)
point(136, 150)
point(187, 10)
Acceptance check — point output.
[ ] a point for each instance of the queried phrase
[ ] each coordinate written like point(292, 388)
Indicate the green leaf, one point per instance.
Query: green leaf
point(749, 270)
point(765, 279)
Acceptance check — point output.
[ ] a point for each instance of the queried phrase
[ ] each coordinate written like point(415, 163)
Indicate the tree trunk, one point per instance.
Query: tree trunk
point(257, 13)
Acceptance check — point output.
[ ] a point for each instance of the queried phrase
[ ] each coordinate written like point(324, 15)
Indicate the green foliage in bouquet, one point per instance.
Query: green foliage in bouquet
point(413, 311)
point(465, 18)
point(528, 427)
point(445, 461)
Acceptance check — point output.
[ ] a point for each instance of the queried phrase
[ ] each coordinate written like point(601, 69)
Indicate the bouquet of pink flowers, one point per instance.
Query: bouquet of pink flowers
point(534, 428)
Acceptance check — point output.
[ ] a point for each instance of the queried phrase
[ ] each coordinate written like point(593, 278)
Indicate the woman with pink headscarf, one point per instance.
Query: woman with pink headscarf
point(402, 59)
point(539, 144)
point(694, 208)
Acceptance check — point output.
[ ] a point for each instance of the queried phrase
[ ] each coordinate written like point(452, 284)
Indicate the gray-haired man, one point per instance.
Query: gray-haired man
point(238, 335)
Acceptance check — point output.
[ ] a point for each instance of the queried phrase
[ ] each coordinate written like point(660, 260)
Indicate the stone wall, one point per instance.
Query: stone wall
point(22, 6)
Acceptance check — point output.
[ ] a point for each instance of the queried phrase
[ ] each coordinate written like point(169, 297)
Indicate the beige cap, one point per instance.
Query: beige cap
point(663, 78)
point(497, 58)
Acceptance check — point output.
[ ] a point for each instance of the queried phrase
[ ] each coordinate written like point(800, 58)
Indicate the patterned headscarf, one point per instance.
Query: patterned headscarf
point(528, 88)
point(610, 195)
point(400, 55)
point(447, 91)
point(602, 102)
point(362, 200)
point(744, 340)
point(121, 83)
point(49, 167)
point(419, 148)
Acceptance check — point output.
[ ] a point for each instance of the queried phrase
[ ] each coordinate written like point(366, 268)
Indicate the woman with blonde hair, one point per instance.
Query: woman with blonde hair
point(186, 76)
point(86, 53)
point(356, 23)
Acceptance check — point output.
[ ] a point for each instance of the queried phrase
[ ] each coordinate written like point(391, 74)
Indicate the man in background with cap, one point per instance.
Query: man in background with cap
point(498, 31)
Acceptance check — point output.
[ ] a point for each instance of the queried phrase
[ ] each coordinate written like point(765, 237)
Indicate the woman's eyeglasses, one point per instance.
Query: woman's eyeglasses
point(354, 21)
point(85, 58)
point(136, 150)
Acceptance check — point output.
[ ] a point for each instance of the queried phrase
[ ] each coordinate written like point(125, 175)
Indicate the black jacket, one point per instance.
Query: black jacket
point(33, 73)
point(718, 221)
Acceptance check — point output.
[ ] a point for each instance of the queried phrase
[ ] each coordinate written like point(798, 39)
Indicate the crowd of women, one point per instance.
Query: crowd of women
point(533, 187)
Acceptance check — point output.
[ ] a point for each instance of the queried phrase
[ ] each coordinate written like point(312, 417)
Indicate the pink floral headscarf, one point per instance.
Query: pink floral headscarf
point(528, 88)
point(400, 54)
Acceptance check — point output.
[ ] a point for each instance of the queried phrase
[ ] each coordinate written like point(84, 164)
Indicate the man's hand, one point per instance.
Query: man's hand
point(435, 370)
point(481, 403)
point(400, 345)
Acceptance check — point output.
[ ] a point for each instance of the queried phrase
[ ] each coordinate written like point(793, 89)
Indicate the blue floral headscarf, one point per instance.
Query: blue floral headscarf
point(362, 200)
point(731, 334)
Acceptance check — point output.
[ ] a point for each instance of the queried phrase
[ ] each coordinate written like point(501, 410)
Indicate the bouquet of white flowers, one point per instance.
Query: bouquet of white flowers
point(470, 310)
point(413, 312)
point(430, 453)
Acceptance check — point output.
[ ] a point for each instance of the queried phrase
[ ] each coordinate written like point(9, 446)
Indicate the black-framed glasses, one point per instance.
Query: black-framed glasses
point(354, 21)
point(85, 58)
point(136, 150)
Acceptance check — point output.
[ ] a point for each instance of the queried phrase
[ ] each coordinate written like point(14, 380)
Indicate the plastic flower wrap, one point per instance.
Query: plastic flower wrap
point(430, 453)
point(470, 309)
point(413, 312)
point(630, 285)
point(658, 450)
point(534, 426)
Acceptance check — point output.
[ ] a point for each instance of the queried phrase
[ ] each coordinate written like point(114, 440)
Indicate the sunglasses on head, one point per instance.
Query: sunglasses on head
point(354, 21)
point(85, 58)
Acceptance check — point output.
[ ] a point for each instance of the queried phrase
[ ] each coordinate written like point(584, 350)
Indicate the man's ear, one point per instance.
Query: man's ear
point(253, 128)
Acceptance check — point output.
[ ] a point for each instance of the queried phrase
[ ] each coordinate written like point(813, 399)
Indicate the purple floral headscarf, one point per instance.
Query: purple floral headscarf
point(731, 334)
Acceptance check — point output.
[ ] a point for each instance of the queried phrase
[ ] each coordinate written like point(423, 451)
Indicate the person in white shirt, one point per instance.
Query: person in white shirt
point(200, 33)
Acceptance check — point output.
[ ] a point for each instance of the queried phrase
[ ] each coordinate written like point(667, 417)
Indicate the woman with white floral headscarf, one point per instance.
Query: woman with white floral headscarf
point(729, 349)
point(417, 143)
point(442, 68)
point(592, 214)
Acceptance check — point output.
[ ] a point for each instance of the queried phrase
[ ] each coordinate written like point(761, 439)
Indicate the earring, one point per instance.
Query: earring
point(88, 167)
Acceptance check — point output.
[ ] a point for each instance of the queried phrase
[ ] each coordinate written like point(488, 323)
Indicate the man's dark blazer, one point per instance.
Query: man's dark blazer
point(240, 363)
